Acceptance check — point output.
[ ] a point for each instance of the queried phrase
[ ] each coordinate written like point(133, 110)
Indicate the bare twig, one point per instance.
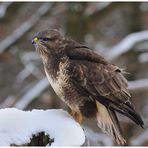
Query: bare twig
point(127, 43)
point(26, 26)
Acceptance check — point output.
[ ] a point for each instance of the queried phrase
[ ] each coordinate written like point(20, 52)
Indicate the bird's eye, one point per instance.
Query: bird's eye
point(45, 39)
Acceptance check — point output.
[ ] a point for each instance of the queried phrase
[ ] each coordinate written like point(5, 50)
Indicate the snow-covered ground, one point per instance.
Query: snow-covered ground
point(17, 127)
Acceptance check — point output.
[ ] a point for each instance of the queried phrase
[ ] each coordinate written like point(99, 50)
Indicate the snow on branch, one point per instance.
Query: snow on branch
point(127, 43)
point(26, 26)
point(19, 127)
point(138, 84)
point(143, 57)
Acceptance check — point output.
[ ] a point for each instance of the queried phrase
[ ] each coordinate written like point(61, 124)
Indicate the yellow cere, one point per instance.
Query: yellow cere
point(36, 39)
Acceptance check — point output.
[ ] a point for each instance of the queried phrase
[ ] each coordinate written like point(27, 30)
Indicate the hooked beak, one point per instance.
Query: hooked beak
point(35, 41)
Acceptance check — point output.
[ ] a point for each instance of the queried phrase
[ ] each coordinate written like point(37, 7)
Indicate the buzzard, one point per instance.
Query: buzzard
point(90, 85)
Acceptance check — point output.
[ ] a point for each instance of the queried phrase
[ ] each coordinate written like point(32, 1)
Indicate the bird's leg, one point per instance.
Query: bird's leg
point(77, 116)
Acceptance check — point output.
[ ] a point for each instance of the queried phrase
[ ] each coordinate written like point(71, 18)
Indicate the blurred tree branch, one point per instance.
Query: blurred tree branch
point(35, 91)
point(26, 26)
point(97, 15)
point(127, 44)
point(139, 140)
point(3, 8)
point(138, 84)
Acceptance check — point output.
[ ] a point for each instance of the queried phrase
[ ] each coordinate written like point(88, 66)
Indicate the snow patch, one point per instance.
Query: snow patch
point(17, 127)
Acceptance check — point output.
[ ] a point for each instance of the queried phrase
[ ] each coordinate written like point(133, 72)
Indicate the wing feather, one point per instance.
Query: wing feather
point(102, 81)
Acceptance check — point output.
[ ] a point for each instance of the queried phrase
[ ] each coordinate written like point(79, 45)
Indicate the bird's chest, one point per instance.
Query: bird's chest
point(57, 84)
point(63, 86)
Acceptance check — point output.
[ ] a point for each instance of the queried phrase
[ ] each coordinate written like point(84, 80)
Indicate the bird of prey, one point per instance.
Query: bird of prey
point(90, 85)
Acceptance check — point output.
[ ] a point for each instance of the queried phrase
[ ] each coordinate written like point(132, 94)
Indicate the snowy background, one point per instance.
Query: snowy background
point(119, 31)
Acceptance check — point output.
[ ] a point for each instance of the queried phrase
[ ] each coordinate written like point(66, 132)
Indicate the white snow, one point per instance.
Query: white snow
point(127, 43)
point(17, 127)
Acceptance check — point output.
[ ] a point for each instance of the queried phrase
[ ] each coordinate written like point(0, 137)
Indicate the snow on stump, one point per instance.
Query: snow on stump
point(39, 128)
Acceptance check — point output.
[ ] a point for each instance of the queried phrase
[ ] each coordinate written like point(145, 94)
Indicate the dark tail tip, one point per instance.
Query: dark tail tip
point(137, 118)
point(141, 123)
point(142, 126)
point(129, 112)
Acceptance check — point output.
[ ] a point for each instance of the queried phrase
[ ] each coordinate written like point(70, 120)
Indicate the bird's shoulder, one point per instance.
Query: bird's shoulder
point(98, 79)
point(76, 51)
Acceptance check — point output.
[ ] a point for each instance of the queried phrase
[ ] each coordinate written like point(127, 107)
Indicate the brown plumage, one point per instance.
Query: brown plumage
point(90, 85)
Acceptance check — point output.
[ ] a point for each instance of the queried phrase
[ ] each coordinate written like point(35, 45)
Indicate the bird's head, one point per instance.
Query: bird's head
point(46, 41)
